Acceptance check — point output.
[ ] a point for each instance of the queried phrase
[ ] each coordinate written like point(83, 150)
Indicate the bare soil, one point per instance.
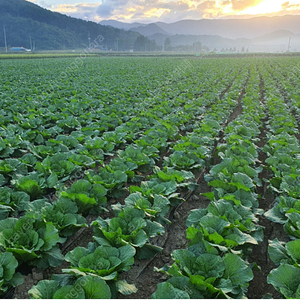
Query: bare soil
point(259, 287)
point(142, 274)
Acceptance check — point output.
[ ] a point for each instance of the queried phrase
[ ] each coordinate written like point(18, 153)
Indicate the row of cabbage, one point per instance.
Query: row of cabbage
point(141, 218)
point(35, 237)
point(69, 152)
point(283, 152)
point(223, 234)
point(36, 175)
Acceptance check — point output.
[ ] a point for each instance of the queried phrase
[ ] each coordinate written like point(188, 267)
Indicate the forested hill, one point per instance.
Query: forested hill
point(28, 25)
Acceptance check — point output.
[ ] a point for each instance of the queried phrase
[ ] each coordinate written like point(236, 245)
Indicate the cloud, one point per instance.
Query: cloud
point(290, 6)
point(174, 6)
point(209, 9)
point(104, 11)
point(133, 9)
point(147, 11)
point(240, 5)
point(76, 8)
point(285, 4)
point(215, 9)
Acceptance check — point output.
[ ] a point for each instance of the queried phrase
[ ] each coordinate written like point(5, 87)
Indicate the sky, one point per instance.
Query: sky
point(147, 11)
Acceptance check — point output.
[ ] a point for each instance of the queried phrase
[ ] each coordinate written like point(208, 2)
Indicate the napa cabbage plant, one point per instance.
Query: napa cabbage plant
point(62, 214)
point(86, 287)
point(12, 203)
point(105, 262)
point(197, 274)
point(129, 227)
point(88, 197)
point(30, 241)
point(9, 278)
point(227, 226)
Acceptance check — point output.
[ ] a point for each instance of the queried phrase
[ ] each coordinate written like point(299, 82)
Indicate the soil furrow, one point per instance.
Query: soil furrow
point(259, 287)
point(174, 238)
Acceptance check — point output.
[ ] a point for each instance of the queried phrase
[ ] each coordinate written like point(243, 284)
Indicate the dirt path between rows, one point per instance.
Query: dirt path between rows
point(259, 287)
point(142, 274)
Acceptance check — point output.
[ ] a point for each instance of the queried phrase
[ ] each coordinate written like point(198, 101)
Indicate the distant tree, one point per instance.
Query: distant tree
point(154, 46)
point(205, 49)
point(167, 44)
point(197, 46)
point(243, 49)
point(143, 43)
point(139, 44)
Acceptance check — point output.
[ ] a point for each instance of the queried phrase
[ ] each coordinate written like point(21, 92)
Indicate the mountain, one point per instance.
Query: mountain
point(273, 42)
point(149, 30)
point(234, 28)
point(259, 34)
point(211, 41)
point(27, 24)
point(144, 29)
point(281, 39)
point(120, 25)
point(275, 36)
point(230, 28)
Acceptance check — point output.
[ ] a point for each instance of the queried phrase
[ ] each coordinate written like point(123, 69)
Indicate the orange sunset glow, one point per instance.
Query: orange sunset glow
point(169, 11)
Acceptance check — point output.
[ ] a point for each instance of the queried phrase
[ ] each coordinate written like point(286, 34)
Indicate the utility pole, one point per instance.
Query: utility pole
point(289, 46)
point(117, 44)
point(30, 42)
point(5, 38)
point(89, 40)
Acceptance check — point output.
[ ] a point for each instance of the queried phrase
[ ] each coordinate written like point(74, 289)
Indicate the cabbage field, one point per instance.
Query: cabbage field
point(150, 177)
